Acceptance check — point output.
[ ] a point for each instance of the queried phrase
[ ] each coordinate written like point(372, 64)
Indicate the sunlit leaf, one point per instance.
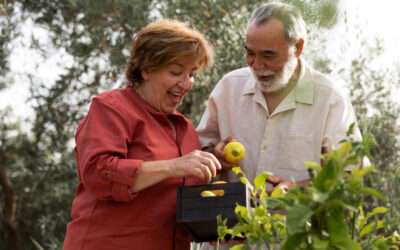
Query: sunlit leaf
point(260, 180)
point(313, 166)
point(367, 229)
point(238, 247)
point(375, 211)
point(277, 192)
point(236, 170)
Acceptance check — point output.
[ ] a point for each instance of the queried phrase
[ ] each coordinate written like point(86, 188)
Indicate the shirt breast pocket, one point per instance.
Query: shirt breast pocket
point(295, 149)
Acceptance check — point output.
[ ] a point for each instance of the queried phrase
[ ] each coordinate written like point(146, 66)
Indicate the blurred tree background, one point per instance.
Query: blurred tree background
point(37, 169)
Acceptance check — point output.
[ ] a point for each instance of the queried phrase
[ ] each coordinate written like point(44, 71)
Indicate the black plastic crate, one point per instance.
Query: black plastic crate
point(199, 214)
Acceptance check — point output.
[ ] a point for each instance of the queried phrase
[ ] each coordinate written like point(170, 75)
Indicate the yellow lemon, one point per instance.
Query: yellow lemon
point(234, 152)
point(207, 193)
point(218, 192)
point(219, 182)
point(212, 193)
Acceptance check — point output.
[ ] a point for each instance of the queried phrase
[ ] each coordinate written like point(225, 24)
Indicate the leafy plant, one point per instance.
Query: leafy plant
point(327, 214)
point(256, 225)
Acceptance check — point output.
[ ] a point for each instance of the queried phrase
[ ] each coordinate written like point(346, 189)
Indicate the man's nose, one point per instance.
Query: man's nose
point(257, 63)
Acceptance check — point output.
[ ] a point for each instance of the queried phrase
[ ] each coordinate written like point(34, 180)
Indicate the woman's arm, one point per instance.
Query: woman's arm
point(200, 164)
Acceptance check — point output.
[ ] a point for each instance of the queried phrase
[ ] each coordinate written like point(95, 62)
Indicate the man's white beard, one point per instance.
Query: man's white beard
point(280, 79)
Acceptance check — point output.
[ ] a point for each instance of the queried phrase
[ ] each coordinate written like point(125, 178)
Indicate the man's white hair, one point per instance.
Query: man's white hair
point(290, 16)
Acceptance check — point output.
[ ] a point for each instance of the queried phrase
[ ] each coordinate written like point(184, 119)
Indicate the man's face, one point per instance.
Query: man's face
point(271, 58)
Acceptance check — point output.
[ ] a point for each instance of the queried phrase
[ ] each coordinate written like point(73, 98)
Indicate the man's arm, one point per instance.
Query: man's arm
point(208, 128)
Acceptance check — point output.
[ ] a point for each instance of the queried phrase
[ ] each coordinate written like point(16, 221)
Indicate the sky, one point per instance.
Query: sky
point(376, 19)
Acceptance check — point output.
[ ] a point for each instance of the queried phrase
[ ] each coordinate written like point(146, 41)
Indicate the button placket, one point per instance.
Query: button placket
point(264, 146)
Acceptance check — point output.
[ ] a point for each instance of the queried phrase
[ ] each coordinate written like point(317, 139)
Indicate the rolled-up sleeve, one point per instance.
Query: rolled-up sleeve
point(102, 144)
point(208, 129)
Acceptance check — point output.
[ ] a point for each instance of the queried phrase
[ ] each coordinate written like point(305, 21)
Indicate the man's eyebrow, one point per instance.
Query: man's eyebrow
point(264, 52)
point(268, 52)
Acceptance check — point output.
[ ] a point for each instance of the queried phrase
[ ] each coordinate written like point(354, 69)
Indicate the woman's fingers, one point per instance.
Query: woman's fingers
point(198, 163)
point(207, 173)
point(197, 172)
point(209, 164)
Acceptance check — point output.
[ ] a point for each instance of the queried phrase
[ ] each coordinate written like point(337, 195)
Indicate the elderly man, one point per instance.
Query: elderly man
point(282, 110)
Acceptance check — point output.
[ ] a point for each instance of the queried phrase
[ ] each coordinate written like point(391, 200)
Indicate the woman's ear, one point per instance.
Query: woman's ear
point(145, 74)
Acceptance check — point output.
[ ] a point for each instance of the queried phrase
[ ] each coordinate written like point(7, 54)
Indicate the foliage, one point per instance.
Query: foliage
point(256, 225)
point(6, 30)
point(378, 115)
point(41, 162)
point(328, 214)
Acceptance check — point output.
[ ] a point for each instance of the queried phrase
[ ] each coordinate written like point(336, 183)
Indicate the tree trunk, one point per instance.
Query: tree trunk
point(8, 215)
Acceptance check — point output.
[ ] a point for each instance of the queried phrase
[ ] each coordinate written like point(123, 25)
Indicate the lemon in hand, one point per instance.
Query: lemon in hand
point(234, 152)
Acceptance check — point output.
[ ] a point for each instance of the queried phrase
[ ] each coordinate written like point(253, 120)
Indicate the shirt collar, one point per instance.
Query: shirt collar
point(304, 90)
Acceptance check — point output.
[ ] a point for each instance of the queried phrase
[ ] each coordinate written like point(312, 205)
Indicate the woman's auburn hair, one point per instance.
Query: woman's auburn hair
point(163, 42)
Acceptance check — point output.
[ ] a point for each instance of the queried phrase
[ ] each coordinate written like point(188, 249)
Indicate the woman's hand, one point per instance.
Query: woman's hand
point(201, 164)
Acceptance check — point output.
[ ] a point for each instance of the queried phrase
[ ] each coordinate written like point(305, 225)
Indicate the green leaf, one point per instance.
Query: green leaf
point(240, 229)
point(238, 247)
point(367, 229)
point(381, 244)
point(260, 180)
point(296, 219)
point(377, 210)
point(346, 244)
point(237, 170)
point(292, 242)
point(328, 176)
point(337, 225)
point(278, 192)
point(373, 192)
point(350, 130)
point(360, 172)
point(244, 180)
point(260, 211)
point(313, 166)
point(319, 197)
point(318, 243)
point(241, 211)
point(343, 150)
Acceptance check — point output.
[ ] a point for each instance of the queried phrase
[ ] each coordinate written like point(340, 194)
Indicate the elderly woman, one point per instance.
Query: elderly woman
point(133, 148)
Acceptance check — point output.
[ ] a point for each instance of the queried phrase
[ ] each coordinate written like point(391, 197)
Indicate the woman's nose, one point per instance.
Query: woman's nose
point(186, 82)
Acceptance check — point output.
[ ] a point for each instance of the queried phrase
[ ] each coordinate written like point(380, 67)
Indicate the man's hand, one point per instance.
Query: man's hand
point(275, 180)
point(218, 151)
point(278, 181)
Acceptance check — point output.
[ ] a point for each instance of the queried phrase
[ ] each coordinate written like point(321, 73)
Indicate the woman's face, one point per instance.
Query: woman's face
point(165, 88)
